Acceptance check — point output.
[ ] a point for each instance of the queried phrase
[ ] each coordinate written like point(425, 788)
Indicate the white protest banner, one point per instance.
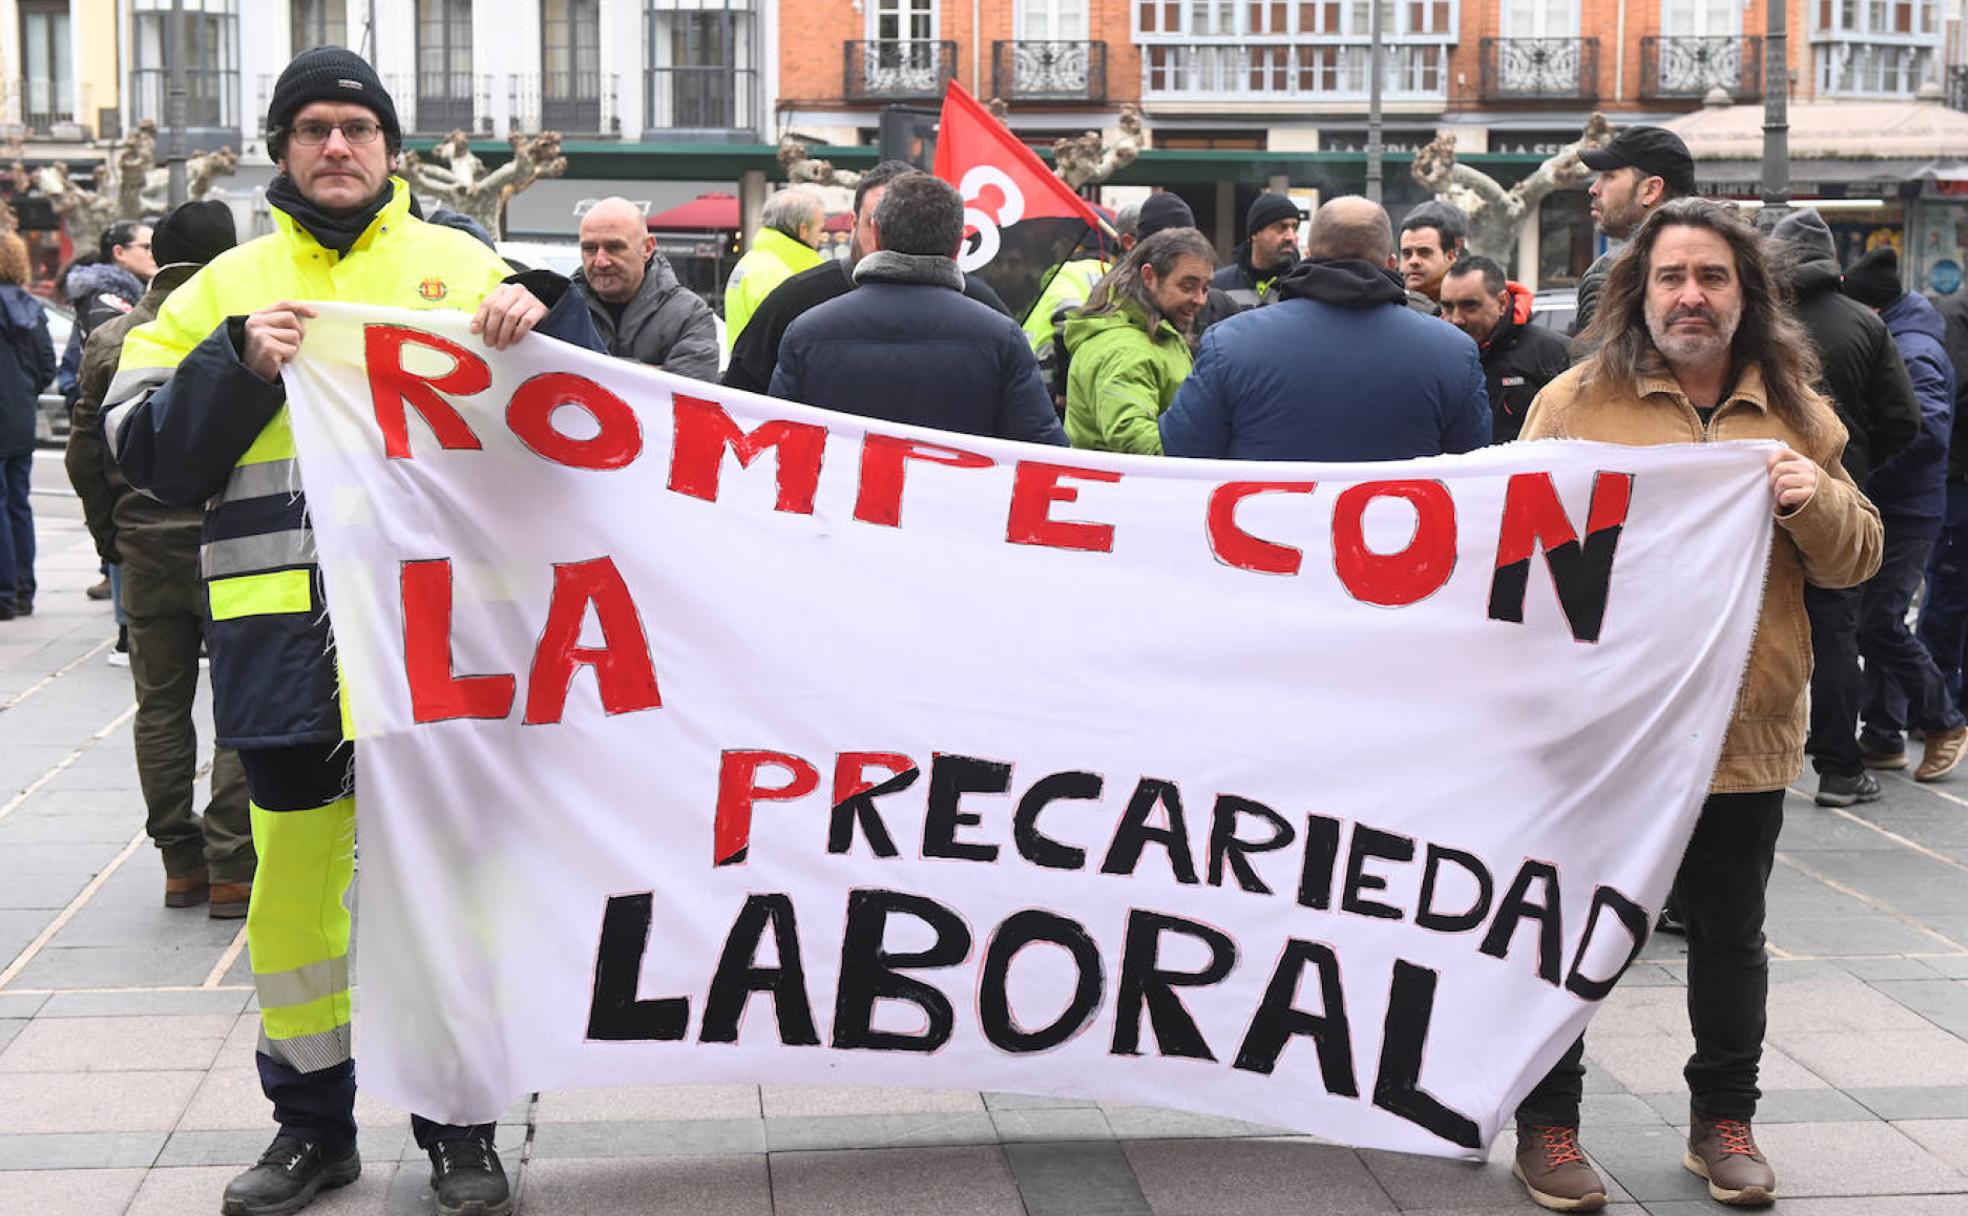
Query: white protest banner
point(704, 737)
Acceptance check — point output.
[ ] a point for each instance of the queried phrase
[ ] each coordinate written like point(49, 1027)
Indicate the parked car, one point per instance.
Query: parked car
point(51, 425)
point(561, 258)
point(1555, 309)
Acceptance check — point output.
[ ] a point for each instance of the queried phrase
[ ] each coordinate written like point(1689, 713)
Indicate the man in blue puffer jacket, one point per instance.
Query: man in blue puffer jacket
point(1340, 368)
point(1903, 687)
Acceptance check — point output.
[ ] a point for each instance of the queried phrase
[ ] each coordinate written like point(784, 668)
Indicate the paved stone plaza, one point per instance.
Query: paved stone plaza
point(127, 1030)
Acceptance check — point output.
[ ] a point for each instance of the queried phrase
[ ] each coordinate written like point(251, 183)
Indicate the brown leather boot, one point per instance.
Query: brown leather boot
point(186, 890)
point(1555, 1172)
point(1724, 1152)
point(230, 900)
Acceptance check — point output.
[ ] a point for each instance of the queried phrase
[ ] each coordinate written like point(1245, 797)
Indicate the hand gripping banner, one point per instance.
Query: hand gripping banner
point(703, 737)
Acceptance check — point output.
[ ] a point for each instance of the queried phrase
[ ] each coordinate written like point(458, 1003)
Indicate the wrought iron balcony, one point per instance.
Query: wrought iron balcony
point(445, 102)
point(581, 103)
point(912, 70)
point(1690, 67)
point(1540, 69)
point(1319, 73)
point(1049, 71)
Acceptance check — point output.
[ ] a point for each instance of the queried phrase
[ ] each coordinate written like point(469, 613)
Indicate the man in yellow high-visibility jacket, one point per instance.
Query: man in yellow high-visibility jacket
point(786, 243)
point(197, 414)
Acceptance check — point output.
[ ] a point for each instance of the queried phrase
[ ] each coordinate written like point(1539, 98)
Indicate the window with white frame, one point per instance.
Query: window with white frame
point(1052, 20)
point(209, 47)
point(1261, 20)
point(1875, 48)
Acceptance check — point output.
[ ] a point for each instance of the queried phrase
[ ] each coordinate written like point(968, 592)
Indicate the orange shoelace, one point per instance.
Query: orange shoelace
point(1561, 1146)
point(1735, 1138)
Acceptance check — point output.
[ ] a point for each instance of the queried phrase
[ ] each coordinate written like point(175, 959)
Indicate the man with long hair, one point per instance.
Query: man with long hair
point(1130, 344)
point(1692, 344)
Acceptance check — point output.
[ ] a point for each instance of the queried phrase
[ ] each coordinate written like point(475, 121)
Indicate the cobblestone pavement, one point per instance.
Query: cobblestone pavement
point(126, 1039)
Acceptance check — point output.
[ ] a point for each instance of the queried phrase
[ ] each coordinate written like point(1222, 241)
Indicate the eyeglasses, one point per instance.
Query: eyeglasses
point(137, 245)
point(356, 130)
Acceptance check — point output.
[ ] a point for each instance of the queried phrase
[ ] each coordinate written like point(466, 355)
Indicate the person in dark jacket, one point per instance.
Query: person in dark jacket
point(1518, 358)
point(1433, 236)
point(1269, 250)
point(27, 365)
point(756, 351)
point(1641, 168)
point(1903, 687)
point(1944, 606)
point(207, 858)
point(639, 308)
point(1868, 387)
point(1338, 369)
point(905, 345)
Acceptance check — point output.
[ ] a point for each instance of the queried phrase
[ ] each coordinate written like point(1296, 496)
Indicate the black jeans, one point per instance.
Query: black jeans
point(1836, 687)
point(1720, 888)
point(1903, 687)
point(1944, 608)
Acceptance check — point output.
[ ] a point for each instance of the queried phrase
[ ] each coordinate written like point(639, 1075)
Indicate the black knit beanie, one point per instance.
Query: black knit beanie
point(194, 232)
point(328, 73)
point(1874, 280)
point(1267, 210)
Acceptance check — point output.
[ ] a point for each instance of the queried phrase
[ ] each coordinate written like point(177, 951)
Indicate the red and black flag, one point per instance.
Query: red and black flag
point(1020, 220)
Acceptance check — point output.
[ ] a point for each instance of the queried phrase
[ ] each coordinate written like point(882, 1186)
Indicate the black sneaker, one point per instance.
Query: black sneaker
point(289, 1174)
point(468, 1179)
point(119, 654)
point(1834, 790)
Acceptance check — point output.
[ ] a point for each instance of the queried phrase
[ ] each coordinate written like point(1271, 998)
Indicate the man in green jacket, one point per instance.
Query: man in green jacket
point(1130, 345)
point(209, 856)
point(786, 243)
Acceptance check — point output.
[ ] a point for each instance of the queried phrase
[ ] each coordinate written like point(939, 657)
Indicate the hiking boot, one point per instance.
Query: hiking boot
point(289, 1174)
point(1882, 755)
point(1555, 1172)
point(1944, 748)
point(1724, 1152)
point(230, 900)
point(1834, 790)
point(468, 1179)
point(99, 591)
point(186, 890)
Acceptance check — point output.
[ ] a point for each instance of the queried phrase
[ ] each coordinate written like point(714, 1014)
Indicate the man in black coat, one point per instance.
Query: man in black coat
point(1518, 358)
point(1869, 387)
point(757, 349)
point(1270, 249)
point(906, 346)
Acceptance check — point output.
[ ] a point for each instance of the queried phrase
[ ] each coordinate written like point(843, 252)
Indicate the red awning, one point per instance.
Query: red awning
point(705, 213)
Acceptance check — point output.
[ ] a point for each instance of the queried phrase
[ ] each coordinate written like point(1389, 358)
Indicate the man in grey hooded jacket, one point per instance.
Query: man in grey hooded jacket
point(639, 308)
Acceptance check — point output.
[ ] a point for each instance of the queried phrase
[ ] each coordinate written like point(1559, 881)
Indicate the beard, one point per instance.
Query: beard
point(1696, 347)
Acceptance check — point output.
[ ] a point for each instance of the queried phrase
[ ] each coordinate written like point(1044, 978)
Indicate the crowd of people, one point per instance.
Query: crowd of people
point(1337, 337)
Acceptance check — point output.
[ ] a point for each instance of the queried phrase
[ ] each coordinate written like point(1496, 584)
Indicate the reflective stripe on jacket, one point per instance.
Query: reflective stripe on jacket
point(189, 423)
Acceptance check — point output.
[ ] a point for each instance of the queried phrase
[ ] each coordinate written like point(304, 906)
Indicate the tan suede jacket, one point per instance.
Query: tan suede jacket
point(1833, 540)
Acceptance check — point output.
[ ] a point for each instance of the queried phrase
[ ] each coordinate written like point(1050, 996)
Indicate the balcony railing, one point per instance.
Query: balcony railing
point(211, 97)
point(1049, 71)
point(580, 102)
point(40, 105)
point(700, 99)
point(1690, 67)
point(445, 102)
point(1540, 69)
point(915, 70)
point(1957, 88)
point(1329, 73)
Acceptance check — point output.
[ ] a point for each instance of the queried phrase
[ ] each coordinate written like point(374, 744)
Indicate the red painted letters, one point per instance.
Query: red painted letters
point(437, 695)
point(530, 414)
point(704, 431)
point(624, 673)
point(392, 388)
point(883, 458)
point(1235, 547)
point(739, 789)
point(1414, 573)
point(1034, 488)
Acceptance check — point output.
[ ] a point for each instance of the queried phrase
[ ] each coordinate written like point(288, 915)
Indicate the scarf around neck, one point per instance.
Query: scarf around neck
point(887, 266)
point(336, 232)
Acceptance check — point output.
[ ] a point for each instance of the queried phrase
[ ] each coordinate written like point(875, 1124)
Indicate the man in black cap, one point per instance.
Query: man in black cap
point(1639, 170)
point(197, 414)
point(1270, 248)
point(209, 858)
